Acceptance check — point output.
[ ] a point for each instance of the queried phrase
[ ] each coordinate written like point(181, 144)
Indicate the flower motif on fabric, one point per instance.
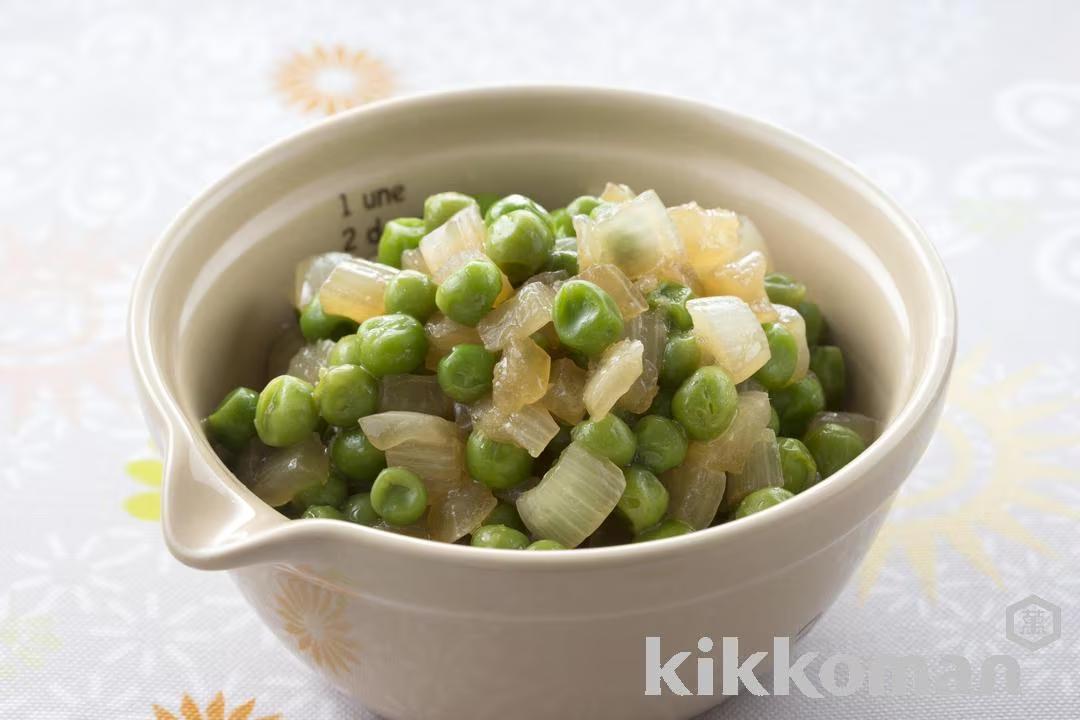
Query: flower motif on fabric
point(329, 80)
point(315, 619)
point(215, 710)
point(145, 505)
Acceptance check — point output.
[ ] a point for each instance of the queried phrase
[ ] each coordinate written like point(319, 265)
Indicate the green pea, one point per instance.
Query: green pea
point(797, 464)
point(346, 393)
point(815, 322)
point(498, 465)
point(562, 223)
point(667, 529)
point(358, 509)
point(392, 344)
point(670, 299)
point(608, 437)
point(661, 404)
point(330, 493)
point(412, 293)
point(833, 446)
point(510, 203)
point(774, 420)
point(485, 200)
point(682, 356)
point(562, 259)
point(783, 355)
point(586, 318)
point(399, 235)
point(661, 443)
point(827, 362)
point(582, 205)
point(546, 545)
point(466, 372)
point(760, 500)
point(499, 537)
point(346, 351)
point(797, 404)
point(356, 458)
point(644, 501)
point(784, 289)
point(232, 424)
point(505, 514)
point(323, 512)
point(399, 496)
point(286, 412)
point(317, 325)
point(440, 207)
point(705, 403)
point(469, 293)
point(519, 242)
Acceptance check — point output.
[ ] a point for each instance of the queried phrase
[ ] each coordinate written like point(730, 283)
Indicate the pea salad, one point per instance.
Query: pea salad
point(510, 377)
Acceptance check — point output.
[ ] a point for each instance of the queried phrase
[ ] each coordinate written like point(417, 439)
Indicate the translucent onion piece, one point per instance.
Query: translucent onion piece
point(614, 282)
point(521, 375)
point(744, 278)
point(764, 310)
point(552, 278)
point(762, 470)
point(617, 193)
point(463, 418)
point(730, 451)
point(730, 334)
point(750, 385)
point(564, 395)
point(866, 427)
point(284, 346)
point(311, 273)
point(415, 393)
point(460, 511)
point(751, 240)
point(519, 317)
point(637, 236)
point(680, 272)
point(390, 429)
point(650, 329)
point(573, 498)
point(310, 360)
point(695, 488)
point(709, 237)
point(531, 427)
point(443, 334)
point(287, 470)
point(355, 289)
point(793, 321)
point(462, 233)
point(619, 367)
point(414, 260)
point(441, 462)
point(417, 530)
point(245, 466)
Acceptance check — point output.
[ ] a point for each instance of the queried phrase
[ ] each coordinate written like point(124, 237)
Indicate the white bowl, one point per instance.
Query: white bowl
point(416, 629)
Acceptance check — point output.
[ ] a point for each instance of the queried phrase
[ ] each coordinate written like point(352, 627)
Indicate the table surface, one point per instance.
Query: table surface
point(113, 114)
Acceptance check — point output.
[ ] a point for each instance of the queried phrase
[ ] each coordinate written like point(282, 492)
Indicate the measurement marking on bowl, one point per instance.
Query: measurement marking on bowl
point(382, 196)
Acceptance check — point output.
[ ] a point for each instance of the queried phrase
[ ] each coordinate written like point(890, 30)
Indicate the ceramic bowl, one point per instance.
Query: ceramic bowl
point(416, 629)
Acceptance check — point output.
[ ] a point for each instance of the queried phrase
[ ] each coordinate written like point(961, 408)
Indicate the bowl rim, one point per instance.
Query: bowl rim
point(253, 548)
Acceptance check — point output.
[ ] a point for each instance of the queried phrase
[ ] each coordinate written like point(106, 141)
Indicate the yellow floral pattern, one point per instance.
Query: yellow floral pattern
point(315, 619)
point(145, 505)
point(329, 80)
point(215, 710)
point(25, 641)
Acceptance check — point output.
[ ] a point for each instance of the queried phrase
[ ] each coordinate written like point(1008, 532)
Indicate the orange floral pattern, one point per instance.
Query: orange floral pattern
point(215, 710)
point(330, 80)
point(315, 618)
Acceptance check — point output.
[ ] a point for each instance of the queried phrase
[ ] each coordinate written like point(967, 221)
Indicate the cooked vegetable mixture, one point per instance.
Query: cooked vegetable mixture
point(612, 371)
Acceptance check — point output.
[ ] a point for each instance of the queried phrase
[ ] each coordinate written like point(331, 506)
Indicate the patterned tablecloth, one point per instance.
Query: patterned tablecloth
point(114, 113)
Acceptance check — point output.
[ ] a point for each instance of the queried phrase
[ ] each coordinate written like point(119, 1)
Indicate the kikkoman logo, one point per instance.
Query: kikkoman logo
point(837, 675)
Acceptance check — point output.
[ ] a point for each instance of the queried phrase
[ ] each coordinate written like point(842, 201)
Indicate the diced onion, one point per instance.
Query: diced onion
point(793, 321)
point(710, 237)
point(310, 360)
point(695, 488)
point(865, 427)
point(519, 317)
point(531, 427)
point(460, 511)
point(762, 470)
point(730, 334)
point(751, 240)
point(573, 498)
point(651, 330)
point(285, 471)
point(617, 193)
point(743, 278)
point(417, 530)
point(730, 451)
point(442, 335)
point(390, 429)
point(416, 393)
point(614, 282)
point(355, 289)
point(444, 247)
point(311, 273)
point(619, 367)
point(414, 260)
point(637, 236)
point(564, 394)
point(441, 462)
point(552, 278)
point(521, 375)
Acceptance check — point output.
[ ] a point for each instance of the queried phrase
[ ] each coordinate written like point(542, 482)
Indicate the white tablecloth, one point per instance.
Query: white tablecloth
point(112, 114)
